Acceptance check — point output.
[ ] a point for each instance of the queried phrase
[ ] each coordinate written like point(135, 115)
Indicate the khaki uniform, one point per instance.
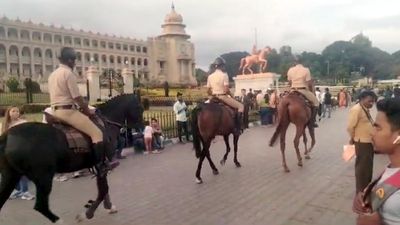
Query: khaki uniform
point(217, 82)
point(63, 89)
point(299, 76)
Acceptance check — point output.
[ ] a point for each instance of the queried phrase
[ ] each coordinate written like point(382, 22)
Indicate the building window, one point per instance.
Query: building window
point(47, 38)
point(132, 61)
point(77, 41)
point(132, 48)
point(24, 35)
point(86, 43)
point(125, 47)
point(110, 45)
point(144, 50)
point(94, 43)
point(103, 44)
point(138, 49)
point(118, 46)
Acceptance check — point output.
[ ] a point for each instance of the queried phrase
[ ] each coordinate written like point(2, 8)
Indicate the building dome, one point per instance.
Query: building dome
point(173, 17)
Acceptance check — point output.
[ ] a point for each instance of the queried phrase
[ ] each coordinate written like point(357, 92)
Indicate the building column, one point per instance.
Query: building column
point(127, 75)
point(7, 60)
point(32, 62)
point(20, 71)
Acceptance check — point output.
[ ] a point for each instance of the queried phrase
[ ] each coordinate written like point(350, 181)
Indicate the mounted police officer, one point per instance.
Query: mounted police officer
point(64, 99)
point(218, 87)
point(300, 80)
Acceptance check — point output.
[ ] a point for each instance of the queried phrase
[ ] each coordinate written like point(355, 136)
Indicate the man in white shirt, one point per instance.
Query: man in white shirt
point(318, 94)
point(180, 110)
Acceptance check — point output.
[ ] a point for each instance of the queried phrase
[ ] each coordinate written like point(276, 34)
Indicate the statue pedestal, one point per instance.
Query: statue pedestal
point(257, 81)
point(92, 75)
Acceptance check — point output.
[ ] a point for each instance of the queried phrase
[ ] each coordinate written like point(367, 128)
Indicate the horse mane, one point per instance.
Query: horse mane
point(116, 100)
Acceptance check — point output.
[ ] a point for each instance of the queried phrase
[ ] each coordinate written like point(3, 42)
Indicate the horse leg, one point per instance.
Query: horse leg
point(214, 169)
point(312, 134)
point(43, 185)
point(306, 156)
point(9, 179)
point(235, 150)
point(108, 205)
point(296, 141)
point(228, 149)
point(283, 145)
point(102, 187)
point(201, 159)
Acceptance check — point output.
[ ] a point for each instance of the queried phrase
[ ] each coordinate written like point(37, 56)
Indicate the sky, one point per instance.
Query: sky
point(221, 26)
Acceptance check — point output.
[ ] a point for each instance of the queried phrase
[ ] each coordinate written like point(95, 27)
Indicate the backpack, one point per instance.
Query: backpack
point(328, 98)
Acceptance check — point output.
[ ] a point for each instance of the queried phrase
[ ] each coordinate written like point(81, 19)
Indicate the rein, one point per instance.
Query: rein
point(119, 125)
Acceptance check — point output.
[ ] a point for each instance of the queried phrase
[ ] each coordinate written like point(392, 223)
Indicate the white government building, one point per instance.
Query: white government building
point(30, 50)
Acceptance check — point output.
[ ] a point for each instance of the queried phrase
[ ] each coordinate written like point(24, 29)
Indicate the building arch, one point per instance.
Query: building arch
point(26, 52)
point(133, 61)
point(48, 54)
point(96, 57)
point(79, 56)
point(36, 36)
point(112, 60)
point(24, 35)
point(119, 61)
point(47, 38)
point(139, 61)
point(12, 33)
point(144, 49)
point(103, 58)
point(126, 61)
point(145, 62)
point(13, 51)
point(2, 32)
point(87, 57)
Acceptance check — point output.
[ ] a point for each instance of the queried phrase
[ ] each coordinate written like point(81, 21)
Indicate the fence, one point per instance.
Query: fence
point(20, 98)
point(167, 121)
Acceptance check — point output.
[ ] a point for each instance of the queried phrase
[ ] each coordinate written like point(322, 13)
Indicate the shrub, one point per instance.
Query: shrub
point(12, 84)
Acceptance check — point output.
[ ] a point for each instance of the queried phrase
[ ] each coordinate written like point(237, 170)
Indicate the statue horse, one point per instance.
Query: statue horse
point(248, 61)
point(293, 108)
point(38, 151)
point(209, 120)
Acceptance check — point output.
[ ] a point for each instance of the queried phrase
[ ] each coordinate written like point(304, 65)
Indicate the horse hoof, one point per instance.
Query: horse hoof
point(89, 214)
point(222, 162)
point(307, 157)
point(215, 172)
point(238, 164)
point(113, 210)
point(287, 170)
point(60, 221)
point(300, 164)
point(198, 181)
point(80, 217)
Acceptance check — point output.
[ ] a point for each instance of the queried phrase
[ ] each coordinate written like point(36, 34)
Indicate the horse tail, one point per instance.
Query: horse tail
point(282, 111)
point(196, 131)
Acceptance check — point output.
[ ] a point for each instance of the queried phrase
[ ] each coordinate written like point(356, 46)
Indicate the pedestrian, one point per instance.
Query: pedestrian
point(13, 118)
point(327, 103)
point(158, 137)
point(244, 99)
point(148, 139)
point(359, 127)
point(166, 89)
point(273, 104)
point(180, 110)
point(342, 99)
point(318, 94)
point(379, 203)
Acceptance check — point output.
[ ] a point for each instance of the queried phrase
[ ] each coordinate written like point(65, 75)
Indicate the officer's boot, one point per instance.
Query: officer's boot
point(102, 165)
point(314, 112)
point(109, 153)
point(239, 123)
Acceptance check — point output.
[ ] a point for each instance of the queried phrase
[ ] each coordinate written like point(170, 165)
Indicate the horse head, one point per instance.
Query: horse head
point(125, 107)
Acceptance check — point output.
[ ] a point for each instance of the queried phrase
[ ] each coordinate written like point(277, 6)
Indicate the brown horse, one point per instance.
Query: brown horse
point(293, 109)
point(209, 120)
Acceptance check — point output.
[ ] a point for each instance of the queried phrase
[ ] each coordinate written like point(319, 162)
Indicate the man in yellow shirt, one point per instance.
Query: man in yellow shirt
point(299, 78)
point(218, 86)
point(360, 127)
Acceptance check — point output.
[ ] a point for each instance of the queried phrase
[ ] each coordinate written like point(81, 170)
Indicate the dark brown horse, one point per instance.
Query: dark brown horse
point(209, 120)
point(293, 109)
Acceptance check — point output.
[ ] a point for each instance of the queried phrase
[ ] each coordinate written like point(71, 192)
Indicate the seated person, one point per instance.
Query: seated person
point(158, 138)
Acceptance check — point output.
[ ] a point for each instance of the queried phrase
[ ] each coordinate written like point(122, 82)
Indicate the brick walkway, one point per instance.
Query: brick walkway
point(160, 189)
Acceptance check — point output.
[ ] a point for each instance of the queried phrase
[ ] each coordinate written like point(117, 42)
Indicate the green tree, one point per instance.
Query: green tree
point(12, 84)
point(201, 76)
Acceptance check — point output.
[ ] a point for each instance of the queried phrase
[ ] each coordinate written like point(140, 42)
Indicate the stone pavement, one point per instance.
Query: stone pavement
point(160, 189)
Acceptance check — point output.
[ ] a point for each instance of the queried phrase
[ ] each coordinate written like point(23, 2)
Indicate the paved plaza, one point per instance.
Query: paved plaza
point(161, 189)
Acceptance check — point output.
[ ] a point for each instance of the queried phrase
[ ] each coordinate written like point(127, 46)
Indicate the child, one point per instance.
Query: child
point(13, 118)
point(148, 139)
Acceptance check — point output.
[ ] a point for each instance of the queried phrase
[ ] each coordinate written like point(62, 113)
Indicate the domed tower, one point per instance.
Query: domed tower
point(172, 53)
point(173, 26)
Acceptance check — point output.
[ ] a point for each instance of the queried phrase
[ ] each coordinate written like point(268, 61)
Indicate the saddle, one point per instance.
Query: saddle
point(78, 142)
point(215, 100)
point(295, 92)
